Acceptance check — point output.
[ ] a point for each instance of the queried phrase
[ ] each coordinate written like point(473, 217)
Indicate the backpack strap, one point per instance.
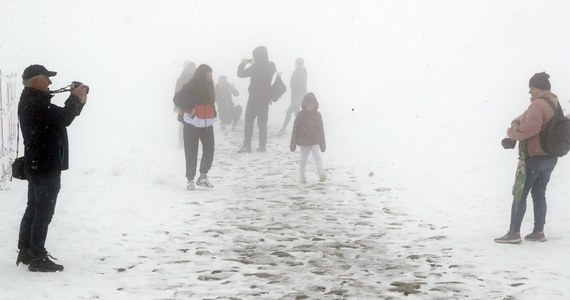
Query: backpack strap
point(557, 110)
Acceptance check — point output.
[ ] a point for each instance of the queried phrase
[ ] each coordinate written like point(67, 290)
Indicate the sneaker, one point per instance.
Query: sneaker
point(303, 180)
point(44, 264)
point(509, 238)
point(261, 149)
point(244, 150)
point(535, 237)
point(24, 256)
point(322, 177)
point(191, 185)
point(281, 133)
point(204, 182)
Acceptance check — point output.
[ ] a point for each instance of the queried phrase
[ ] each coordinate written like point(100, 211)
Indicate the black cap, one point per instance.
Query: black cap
point(35, 70)
point(540, 81)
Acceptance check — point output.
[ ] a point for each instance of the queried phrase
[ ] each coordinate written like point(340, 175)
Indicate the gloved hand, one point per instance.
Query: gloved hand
point(323, 148)
point(508, 143)
point(292, 148)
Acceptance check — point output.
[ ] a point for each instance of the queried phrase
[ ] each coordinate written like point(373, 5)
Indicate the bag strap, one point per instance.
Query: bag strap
point(557, 110)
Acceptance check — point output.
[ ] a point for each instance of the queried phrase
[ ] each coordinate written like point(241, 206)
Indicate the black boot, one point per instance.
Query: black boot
point(24, 256)
point(44, 264)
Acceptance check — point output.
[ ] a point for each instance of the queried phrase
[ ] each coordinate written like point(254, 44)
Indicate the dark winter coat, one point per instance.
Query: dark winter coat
point(194, 92)
point(299, 82)
point(43, 126)
point(260, 73)
point(224, 94)
point(308, 130)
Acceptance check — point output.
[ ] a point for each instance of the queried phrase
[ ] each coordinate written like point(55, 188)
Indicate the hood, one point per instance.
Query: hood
point(260, 54)
point(310, 99)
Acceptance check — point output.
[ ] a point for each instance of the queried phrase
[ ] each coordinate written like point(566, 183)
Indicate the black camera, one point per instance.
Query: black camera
point(508, 143)
point(75, 84)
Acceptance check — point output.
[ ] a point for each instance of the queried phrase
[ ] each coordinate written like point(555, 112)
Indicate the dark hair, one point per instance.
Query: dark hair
point(201, 73)
point(202, 85)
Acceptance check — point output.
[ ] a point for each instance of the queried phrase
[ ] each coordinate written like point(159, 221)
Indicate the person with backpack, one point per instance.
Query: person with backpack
point(260, 71)
point(309, 134)
point(187, 73)
point(535, 165)
point(196, 99)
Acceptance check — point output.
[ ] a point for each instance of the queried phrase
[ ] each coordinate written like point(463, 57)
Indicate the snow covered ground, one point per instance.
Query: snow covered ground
point(415, 103)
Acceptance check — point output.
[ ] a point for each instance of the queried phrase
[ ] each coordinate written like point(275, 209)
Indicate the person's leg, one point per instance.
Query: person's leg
point(287, 119)
point(316, 151)
point(208, 148)
point(45, 197)
point(545, 167)
point(262, 117)
point(248, 127)
point(518, 211)
point(191, 142)
point(305, 151)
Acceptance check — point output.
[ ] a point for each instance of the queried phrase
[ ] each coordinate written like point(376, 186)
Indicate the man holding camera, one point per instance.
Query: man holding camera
point(535, 164)
point(43, 126)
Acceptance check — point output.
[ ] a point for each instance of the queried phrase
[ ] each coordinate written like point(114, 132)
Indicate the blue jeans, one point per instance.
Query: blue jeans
point(42, 197)
point(538, 170)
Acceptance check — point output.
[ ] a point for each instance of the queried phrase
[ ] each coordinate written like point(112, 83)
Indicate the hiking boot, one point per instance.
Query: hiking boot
point(302, 180)
point(281, 133)
point(204, 182)
point(24, 256)
point(509, 238)
point(535, 237)
point(191, 185)
point(44, 264)
point(322, 177)
point(244, 150)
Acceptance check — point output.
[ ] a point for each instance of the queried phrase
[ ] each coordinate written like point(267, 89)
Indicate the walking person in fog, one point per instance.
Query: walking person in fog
point(229, 112)
point(260, 71)
point(187, 73)
point(309, 134)
point(298, 90)
point(196, 100)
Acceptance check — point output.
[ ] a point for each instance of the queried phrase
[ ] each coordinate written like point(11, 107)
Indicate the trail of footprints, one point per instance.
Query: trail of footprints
point(275, 240)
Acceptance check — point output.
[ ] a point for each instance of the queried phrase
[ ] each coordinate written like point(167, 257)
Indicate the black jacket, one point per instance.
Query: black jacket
point(260, 74)
point(43, 126)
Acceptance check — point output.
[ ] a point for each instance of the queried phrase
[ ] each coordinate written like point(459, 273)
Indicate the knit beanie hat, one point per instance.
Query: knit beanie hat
point(540, 81)
point(310, 99)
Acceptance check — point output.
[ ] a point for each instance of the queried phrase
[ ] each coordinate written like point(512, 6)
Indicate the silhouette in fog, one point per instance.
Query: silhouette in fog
point(260, 71)
point(309, 134)
point(187, 73)
point(229, 112)
point(298, 90)
point(196, 100)
point(44, 128)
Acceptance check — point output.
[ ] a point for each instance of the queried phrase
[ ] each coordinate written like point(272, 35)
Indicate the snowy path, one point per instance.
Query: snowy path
point(138, 234)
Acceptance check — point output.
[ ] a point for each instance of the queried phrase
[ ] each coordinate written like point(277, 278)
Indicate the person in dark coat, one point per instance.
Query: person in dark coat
point(46, 152)
point(309, 134)
point(229, 112)
point(298, 90)
point(187, 73)
point(196, 100)
point(260, 71)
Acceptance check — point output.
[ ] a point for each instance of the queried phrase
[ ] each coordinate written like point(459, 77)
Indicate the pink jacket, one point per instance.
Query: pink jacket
point(528, 125)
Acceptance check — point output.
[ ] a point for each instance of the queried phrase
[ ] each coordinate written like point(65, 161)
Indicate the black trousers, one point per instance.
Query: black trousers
point(42, 197)
point(252, 112)
point(192, 138)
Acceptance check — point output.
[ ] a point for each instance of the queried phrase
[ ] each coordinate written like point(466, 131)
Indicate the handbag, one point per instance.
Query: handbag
point(18, 164)
point(278, 88)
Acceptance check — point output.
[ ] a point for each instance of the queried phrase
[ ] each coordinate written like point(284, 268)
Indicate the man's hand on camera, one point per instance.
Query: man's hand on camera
point(81, 93)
